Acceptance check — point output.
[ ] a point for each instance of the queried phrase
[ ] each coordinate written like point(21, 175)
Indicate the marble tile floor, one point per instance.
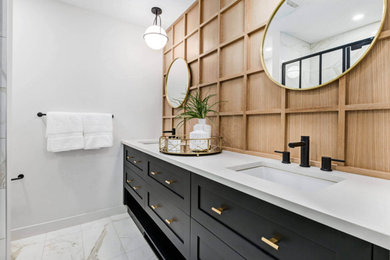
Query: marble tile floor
point(113, 238)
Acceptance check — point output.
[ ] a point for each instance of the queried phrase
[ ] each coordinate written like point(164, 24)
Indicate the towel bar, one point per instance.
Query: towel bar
point(40, 114)
point(20, 176)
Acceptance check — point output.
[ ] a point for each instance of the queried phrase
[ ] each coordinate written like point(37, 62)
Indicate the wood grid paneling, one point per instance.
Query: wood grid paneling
point(348, 119)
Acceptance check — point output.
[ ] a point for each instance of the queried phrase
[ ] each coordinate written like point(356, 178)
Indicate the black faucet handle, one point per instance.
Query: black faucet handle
point(326, 163)
point(285, 156)
point(173, 131)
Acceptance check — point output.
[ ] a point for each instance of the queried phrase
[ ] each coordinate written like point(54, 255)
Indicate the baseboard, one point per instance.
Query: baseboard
point(45, 227)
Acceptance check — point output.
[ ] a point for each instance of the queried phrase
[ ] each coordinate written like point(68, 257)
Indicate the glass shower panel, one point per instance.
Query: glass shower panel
point(332, 65)
point(292, 75)
point(3, 126)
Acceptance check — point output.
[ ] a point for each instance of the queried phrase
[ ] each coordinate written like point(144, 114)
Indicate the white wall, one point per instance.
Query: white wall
point(70, 59)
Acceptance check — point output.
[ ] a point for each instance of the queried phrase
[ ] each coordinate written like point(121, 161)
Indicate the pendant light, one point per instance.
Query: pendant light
point(155, 36)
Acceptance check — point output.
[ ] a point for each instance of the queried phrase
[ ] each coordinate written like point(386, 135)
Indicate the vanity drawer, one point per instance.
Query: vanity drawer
point(175, 200)
point(135, 185)
point(174, 179)
point(206, 246)
point(172, 221)
point(228, 213)
point(135, 160)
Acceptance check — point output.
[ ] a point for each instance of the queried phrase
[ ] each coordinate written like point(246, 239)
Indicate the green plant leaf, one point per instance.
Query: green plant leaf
point(196, 108)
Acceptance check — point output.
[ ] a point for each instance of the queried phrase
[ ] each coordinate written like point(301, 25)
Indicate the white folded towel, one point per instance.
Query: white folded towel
point(64, 131)
point(97, 130)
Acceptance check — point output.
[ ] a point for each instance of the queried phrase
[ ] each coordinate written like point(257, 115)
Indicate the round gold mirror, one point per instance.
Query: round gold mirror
point(311, 43)
point(177, 83)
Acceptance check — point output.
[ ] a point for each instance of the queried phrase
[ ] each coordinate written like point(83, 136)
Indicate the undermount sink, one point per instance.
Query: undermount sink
point(298, 181)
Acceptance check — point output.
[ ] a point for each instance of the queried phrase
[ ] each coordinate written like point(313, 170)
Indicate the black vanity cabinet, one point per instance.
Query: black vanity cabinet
point(250, 225)
point(135, 185)
point(168, 202)
point(197, 218)
point(135, 160)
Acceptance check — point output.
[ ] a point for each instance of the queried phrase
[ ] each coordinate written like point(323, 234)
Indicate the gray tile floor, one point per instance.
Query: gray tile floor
point(113, 238)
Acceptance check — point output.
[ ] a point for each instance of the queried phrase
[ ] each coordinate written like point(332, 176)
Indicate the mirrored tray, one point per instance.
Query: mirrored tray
point(183, 145)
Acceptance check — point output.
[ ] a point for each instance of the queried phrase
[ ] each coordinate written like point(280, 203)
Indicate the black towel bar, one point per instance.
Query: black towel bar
point(40, 114)
point(20, 176)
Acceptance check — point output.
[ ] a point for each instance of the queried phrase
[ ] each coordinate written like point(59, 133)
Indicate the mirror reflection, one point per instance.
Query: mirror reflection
point(309, 43)
point(177, 82)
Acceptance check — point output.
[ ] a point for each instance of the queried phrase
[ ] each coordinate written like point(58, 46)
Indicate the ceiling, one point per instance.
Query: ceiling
point(315, 20)
point(135, 11)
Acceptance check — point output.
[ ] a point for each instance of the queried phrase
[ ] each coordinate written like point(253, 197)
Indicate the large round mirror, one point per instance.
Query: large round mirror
point(310, 43)
point(177, 82)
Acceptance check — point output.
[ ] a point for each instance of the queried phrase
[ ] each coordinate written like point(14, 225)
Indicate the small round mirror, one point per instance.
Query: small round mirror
point(311, 43)
point(177, 82)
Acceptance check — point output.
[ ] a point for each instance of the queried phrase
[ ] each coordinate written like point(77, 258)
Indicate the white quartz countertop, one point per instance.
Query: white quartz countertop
point(357, 205)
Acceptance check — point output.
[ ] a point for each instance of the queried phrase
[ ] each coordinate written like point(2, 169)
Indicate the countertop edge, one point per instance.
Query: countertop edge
point(369, 235)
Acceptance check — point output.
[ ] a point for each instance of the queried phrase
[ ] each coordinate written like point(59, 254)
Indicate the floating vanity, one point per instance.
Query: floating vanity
point(236, 206)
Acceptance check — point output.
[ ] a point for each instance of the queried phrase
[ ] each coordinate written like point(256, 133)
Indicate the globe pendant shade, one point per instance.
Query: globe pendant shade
point(155, 37)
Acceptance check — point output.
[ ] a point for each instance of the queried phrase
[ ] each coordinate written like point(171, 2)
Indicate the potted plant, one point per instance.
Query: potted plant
point(197, 107)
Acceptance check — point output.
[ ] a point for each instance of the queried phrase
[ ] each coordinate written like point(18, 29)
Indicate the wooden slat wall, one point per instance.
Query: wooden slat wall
point(349, 119)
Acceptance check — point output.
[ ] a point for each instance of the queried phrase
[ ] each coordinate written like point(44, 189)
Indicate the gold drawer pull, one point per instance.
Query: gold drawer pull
point(135, 162)
point(218, 210)
point(169, 182)
point(169, 221)
point(155, 206)
point(136, 187)
point(130, 181)
point(271, 242)
point(154, 173)
point(129, 157)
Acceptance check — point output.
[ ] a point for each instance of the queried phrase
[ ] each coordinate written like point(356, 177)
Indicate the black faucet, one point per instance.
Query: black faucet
point(305, 150)
point(173, 132)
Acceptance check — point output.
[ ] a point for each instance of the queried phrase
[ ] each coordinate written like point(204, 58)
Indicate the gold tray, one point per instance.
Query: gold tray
point(183, 145)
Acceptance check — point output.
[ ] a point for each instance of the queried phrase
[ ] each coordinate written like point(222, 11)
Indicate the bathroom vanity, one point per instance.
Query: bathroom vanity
point(235, 206)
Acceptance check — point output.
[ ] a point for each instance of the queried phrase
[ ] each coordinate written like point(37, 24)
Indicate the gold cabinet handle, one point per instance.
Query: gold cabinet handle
point(129, 157)
point(130, 181)
point(272, 242)
point(218, 210)
point(169, 182)
point(154, 173)
point(136, 187)
point(154, 207)
point(135, 161)
point(169, 221)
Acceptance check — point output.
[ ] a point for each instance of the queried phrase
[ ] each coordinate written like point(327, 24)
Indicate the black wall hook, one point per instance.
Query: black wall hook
point(20, 176)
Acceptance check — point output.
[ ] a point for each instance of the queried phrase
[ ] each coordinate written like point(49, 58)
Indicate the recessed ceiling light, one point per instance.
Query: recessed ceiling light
point(357, 17)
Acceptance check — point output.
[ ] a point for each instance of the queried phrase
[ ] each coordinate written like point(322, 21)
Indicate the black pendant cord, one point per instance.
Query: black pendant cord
point(157, 12)
point(155, 20)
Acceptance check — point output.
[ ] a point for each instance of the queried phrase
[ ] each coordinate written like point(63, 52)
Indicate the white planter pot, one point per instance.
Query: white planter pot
point(201, 131)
